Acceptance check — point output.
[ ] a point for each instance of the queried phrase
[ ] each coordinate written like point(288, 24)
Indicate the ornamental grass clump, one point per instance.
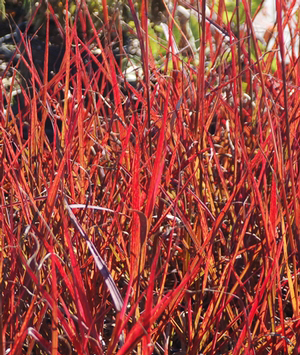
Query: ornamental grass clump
point(161, 214)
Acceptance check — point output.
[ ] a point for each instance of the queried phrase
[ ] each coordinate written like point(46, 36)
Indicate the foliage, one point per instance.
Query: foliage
point(159, 216)
point(231, 6)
